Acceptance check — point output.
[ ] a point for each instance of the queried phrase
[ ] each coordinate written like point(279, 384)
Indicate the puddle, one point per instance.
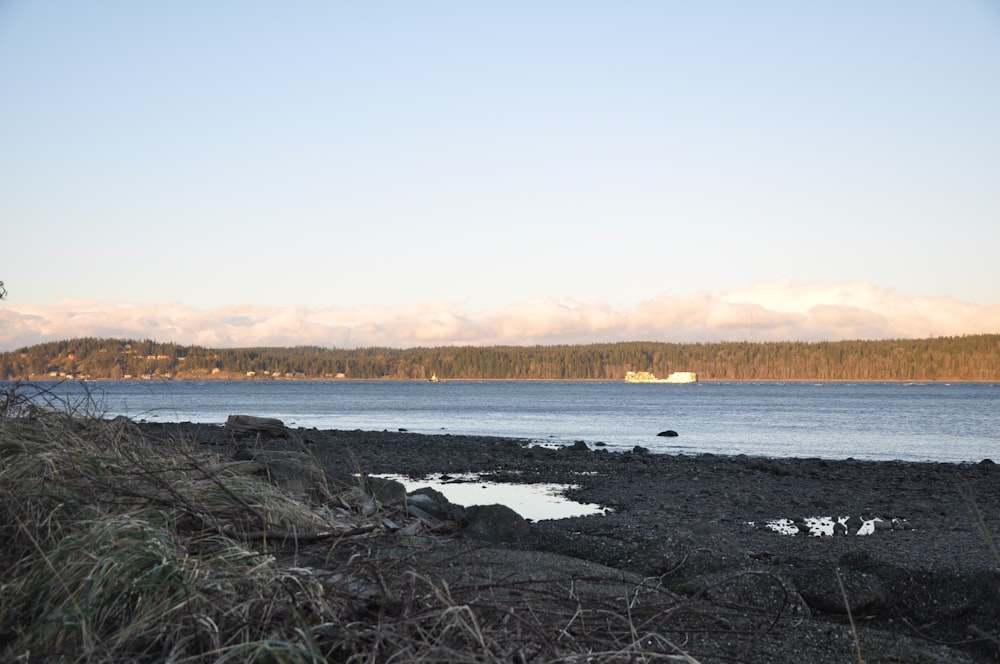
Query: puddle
point(532, 501)
point(828, 526)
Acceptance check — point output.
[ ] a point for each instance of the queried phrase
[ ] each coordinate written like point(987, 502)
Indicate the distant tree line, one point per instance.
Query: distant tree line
point(962, 358)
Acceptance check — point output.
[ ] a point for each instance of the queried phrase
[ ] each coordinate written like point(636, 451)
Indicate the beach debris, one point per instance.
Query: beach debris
point(423, 516)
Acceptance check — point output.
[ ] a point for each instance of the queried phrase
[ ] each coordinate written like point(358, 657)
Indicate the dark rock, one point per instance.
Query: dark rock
point(387, 492)
point(579, 446)
point(669, 433)
point(760, 593)
point(436, 504)
point(837, 591)
point(496, 524)
point(768, 466)
point(943, 597)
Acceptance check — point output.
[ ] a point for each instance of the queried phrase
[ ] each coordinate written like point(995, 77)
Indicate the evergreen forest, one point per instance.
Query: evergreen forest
point(962, 358)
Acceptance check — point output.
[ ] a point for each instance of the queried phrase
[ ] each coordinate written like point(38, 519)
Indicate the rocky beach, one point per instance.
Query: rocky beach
point(889, 561)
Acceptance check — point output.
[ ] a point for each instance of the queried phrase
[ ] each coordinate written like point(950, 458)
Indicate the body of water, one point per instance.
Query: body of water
point(915, 422)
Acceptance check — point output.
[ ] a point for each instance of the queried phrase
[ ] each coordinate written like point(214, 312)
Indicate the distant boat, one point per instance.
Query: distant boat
point(433, 378)
point(647, 377)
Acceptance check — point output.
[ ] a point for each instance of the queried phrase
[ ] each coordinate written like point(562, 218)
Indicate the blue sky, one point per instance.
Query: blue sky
point(324, 172)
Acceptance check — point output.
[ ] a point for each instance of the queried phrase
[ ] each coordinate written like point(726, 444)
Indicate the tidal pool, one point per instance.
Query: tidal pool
point(532, 501)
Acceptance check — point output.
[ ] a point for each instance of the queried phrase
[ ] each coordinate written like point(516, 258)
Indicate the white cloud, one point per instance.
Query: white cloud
point(773, 311)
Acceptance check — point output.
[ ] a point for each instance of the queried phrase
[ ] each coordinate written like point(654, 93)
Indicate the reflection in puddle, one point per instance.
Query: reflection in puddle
point(828, 526)
point(532, 501)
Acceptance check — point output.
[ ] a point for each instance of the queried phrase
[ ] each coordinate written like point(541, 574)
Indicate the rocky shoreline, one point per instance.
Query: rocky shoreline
point(924, 586)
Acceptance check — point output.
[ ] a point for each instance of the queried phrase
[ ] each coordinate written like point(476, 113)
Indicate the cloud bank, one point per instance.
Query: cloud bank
point(774, 311)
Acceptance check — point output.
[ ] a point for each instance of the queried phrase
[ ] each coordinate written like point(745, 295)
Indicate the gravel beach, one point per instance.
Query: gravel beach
point(910, 573)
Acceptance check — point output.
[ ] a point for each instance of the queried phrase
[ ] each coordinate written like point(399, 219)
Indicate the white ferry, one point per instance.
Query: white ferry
point(647, 377)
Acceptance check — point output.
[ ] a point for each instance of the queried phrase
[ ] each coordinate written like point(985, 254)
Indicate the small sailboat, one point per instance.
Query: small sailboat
point(433, 378)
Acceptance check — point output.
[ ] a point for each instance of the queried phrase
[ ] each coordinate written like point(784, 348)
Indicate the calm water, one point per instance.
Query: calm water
point(941, 422)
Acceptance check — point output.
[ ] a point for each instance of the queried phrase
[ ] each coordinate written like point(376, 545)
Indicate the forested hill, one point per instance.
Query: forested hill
point(966, 358)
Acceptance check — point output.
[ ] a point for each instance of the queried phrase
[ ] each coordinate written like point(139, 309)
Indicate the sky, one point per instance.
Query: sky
point(418, 174)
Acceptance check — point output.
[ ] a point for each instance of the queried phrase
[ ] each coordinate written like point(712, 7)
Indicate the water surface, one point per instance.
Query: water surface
point(920, 421)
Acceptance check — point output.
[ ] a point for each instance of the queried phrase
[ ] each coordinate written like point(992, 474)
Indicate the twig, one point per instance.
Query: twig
point(850, 618)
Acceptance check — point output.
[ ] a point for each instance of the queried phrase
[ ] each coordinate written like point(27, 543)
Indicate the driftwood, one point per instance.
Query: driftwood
point(248, 425)
point(304, 537)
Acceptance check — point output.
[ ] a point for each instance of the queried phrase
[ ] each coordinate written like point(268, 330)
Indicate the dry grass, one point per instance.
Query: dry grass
point(113, 549)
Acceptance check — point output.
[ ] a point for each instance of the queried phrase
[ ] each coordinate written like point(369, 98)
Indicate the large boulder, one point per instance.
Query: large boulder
point(434, 503)
point(496, 524)
point(385, 491)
